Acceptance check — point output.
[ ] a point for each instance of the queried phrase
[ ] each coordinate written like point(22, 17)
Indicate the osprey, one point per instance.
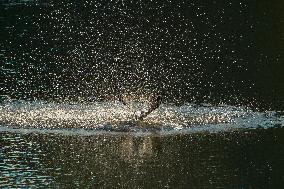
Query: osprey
point(153, 103)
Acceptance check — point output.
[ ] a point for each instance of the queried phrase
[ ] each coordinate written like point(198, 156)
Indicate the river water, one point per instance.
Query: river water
point(63, 145)
point(217, 65)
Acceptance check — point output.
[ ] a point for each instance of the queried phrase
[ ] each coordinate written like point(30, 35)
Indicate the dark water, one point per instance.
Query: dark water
point(247, 159)
point(99, 145)
point(218, 65)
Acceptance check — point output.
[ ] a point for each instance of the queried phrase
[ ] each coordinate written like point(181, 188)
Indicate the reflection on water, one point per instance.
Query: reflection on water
point(85, 145)
point(245, 159)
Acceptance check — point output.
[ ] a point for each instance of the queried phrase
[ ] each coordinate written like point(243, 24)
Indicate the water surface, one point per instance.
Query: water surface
point(239, 159)
point(192, 146)
point(218, 66)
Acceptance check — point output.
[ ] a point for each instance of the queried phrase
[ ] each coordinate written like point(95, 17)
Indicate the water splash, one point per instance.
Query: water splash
point(114, 117)
point(90, 50)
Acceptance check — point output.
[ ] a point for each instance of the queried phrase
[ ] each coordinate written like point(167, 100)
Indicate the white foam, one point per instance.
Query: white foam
point(114, 118)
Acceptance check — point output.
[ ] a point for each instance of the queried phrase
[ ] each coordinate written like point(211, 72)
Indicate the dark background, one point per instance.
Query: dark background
point(189, 51)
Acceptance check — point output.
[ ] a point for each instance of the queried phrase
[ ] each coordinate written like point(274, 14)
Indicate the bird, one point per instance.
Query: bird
point(154, 102)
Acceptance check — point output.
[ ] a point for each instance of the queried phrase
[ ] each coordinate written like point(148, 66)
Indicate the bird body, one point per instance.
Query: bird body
point(153, 103)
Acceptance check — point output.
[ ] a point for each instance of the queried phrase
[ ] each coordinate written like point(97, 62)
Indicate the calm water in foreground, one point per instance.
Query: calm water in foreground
point(240, 159)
